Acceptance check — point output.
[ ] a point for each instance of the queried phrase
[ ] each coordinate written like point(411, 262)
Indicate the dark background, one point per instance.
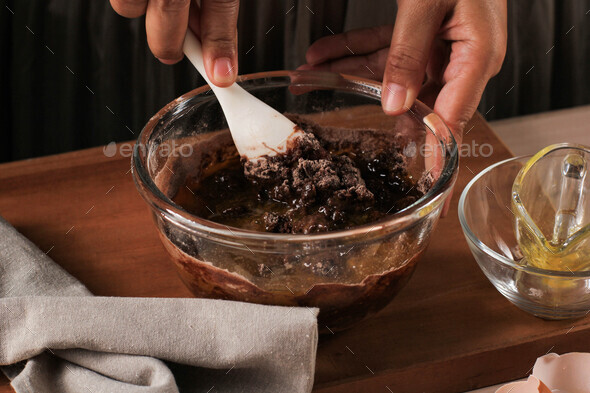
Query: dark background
point(73, 74)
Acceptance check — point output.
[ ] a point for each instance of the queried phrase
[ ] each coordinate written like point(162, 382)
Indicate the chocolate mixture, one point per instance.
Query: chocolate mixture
point(316, 186)
point(320, 189)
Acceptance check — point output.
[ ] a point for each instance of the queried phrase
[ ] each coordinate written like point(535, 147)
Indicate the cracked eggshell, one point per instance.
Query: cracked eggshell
point(568, 373)
point(531, 385)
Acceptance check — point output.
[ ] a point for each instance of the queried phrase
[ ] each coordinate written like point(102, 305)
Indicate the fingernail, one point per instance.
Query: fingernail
point(395, 97)
point(304, 67)
point(223, 71)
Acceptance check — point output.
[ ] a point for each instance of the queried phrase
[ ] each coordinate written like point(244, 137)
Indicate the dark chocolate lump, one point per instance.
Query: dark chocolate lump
point(322, 189)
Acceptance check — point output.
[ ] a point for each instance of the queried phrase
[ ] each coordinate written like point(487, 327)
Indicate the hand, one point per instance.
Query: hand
point(456, 45)
point(214, 22)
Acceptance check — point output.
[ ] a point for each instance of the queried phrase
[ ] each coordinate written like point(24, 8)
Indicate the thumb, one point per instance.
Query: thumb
point(219, 37)
point(416, 25)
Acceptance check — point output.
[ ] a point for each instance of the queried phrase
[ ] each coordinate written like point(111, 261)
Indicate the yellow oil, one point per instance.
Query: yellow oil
point(555, 235)
point(538, 252)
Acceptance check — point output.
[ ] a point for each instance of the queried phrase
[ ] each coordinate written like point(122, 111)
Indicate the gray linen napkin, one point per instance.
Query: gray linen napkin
point(56, 337)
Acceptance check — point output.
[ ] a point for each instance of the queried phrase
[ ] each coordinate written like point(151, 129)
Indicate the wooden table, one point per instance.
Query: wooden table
point(449, 330)
point(529, 134)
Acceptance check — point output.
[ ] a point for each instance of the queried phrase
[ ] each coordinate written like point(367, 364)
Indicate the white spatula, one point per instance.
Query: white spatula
point(256, 128)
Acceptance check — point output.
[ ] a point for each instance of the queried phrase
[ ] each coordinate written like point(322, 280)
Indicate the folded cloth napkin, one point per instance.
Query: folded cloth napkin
point(56, 337)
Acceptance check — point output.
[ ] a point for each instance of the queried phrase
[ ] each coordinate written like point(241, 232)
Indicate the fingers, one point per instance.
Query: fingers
point(458, 99)
point(166, 23)
point(194, 19)
point(129, 8)
point(465, 79)
point(369, 66)
point(413, 34)
point(350, 43)
point(475, 58)
point(219, 37)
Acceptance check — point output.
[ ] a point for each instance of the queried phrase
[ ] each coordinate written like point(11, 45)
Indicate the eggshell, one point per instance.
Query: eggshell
point(568, 373)
point(531, 385)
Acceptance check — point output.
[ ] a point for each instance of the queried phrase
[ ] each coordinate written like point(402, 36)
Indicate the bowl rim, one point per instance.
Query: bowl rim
point(158, 201)
point(495, 255)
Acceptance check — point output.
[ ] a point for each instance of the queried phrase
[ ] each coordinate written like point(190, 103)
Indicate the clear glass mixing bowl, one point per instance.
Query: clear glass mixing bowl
point(348, 274)
point(489, 225)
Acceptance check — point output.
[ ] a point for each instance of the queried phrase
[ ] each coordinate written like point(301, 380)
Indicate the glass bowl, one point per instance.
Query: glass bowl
point(489, 224)
point(348, 274)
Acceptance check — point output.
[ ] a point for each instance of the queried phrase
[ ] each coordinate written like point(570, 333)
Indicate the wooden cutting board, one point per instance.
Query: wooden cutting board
point(449, 330)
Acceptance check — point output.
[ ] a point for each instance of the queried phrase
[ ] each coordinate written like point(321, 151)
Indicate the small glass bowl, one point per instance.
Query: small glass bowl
point(348, 274)
point(489, 225)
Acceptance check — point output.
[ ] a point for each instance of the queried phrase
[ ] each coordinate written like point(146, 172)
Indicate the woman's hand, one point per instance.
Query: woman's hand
point(214, 22)
point(456, 46)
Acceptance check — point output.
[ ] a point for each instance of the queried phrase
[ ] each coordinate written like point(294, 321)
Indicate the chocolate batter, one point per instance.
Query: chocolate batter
point(317, 186)
point(334, 178)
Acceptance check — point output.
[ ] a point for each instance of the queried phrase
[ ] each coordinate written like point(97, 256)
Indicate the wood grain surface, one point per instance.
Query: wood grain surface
point(529, 134)
point(449, 330)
